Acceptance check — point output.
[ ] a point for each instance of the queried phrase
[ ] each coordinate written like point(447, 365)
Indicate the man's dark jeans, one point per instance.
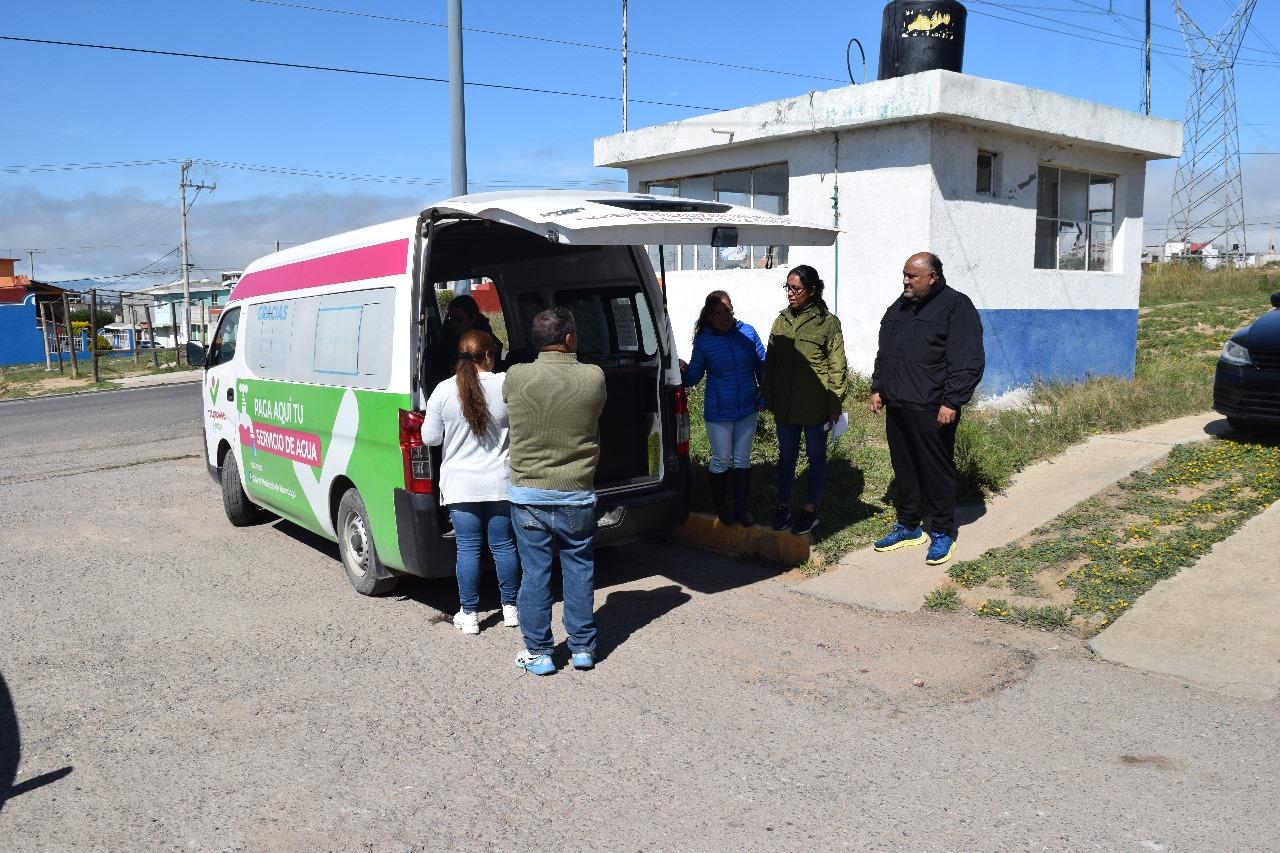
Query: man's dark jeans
point(541, 530)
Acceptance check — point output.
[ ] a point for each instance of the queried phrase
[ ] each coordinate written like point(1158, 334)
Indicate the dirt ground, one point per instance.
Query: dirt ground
point(201, 687)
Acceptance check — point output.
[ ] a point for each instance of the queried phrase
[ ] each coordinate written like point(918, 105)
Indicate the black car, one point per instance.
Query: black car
point(1246, 387)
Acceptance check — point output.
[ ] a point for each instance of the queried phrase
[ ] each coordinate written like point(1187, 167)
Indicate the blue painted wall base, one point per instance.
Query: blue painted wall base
point(1024, 346)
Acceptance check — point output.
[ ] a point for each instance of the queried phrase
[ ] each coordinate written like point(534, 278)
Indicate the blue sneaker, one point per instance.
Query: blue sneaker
point(583, 660)
point(900, 536)
point(940, 549)
point(537, 664)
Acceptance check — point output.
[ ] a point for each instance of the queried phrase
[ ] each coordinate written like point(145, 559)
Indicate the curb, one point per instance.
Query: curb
point(705, 531)
point(88, 392)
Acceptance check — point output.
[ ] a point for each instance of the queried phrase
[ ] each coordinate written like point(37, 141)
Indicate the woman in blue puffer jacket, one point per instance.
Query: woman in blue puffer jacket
point(729, 352)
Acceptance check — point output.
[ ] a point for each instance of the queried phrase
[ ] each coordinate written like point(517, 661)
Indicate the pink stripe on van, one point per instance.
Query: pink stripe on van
point(351, 265)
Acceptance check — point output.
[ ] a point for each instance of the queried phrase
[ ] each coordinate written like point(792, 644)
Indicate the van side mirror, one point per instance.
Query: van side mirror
point(1275, 299)
point(195, 354)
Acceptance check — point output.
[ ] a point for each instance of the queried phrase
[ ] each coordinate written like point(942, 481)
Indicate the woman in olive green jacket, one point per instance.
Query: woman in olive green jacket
point(805, 377)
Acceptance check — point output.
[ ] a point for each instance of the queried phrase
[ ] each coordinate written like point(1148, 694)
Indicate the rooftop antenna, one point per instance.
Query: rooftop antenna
point(1208, 188)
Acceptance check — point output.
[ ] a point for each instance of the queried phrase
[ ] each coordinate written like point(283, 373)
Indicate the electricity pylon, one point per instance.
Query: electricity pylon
point(1208, 189)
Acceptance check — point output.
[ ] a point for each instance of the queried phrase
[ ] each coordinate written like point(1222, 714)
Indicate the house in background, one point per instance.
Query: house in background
point(1032, 199)
point(208, 298)
point(21, 299)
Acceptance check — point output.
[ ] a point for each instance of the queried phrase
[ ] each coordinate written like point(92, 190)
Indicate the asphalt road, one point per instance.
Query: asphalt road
point(176, 683)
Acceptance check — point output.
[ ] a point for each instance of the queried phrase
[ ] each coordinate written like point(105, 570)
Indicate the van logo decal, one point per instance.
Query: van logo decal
point(564, 212)
point(213, 390)
point(292, 444)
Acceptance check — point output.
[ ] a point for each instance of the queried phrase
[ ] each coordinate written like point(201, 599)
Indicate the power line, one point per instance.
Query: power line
point(388, 75)
point(70, 167)
point(299, 171)
point(543, 39)
point(1093, 35)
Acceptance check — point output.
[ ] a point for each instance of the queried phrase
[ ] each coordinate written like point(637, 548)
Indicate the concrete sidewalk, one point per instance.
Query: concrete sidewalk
point(1216, 624)
point(175, 378)
point(899, 580)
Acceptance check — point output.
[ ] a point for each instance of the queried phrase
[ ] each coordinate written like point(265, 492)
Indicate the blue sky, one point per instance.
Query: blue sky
point(70, 105)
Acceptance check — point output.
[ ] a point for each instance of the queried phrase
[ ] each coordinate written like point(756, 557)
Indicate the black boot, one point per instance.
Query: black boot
point(720, 495)
point(742, 497)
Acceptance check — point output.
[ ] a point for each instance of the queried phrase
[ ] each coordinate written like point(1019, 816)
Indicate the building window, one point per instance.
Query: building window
point(763, 188)
point(1075, 220)
point(986, 173)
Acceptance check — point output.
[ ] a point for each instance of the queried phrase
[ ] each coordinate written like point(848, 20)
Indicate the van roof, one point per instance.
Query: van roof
point(574, 217)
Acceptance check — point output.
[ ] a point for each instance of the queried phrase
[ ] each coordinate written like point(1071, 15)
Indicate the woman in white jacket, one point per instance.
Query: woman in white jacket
point(467, 416)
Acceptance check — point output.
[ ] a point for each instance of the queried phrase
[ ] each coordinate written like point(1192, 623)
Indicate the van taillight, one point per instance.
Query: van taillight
point(682, 421)
point(417, 456)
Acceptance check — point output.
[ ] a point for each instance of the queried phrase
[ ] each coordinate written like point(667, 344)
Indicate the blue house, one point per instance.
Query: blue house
point(20, 327)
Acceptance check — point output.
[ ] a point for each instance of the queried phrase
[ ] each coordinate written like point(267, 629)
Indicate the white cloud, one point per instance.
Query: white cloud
point(101, 234)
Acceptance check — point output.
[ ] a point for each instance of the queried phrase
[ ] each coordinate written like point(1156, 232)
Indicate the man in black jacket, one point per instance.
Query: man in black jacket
point(929, 362)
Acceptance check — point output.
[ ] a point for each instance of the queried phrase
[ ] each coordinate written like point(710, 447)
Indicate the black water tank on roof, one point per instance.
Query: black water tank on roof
point(917, 35)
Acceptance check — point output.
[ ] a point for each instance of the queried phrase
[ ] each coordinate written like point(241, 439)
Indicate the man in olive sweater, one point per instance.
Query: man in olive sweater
point(554, 406)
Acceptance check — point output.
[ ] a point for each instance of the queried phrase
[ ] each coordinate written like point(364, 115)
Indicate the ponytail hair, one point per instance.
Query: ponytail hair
point(713, 299)
point(809, 278)
point(473, 350)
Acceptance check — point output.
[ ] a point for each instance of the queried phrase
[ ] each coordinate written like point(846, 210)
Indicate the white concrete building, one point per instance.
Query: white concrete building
point(1033, 201)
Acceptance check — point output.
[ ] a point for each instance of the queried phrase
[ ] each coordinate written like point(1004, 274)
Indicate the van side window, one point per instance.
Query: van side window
point(223, 348)
point(335, 339)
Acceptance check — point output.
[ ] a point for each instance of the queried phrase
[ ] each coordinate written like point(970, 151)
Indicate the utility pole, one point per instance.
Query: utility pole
point(1146, 100)
point(71, 344)
point(31, 259)
point(93, 331)
point(183, 186)
point(624, 66)
point(457, 99)
point(44, 333)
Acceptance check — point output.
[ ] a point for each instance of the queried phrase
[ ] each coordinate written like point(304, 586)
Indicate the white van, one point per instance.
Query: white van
point(319, 370)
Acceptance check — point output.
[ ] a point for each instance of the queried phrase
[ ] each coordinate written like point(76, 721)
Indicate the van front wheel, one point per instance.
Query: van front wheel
point(355, 544)
point(241, 511)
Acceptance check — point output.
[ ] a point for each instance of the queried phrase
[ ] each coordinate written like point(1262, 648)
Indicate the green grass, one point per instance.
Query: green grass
point(1108, 550)
point(943, 599)
point(1046, 618)
point(31, 380)
point(1185, 316)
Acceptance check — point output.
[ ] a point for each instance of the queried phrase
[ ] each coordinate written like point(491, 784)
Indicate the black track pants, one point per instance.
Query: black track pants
point(923, 457)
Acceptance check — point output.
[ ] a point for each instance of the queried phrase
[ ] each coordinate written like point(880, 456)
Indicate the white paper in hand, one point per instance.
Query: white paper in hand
point(841, 426)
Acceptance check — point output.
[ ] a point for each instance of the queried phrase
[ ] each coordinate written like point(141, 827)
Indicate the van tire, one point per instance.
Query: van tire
point(241, 511)
point(355, 545)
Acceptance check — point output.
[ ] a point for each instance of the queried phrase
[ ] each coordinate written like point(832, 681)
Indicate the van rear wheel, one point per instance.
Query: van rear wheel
point(355, 543)
point(241, 511)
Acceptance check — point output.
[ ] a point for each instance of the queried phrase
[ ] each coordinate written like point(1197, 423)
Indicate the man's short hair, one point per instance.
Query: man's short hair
point(551, 326)
point(935, 264)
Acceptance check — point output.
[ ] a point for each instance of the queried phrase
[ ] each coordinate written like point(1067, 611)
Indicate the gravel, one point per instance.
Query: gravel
point(221, 689)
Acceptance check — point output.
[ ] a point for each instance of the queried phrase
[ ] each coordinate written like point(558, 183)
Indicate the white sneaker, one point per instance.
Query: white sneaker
point(510, 616)
point(468, 623)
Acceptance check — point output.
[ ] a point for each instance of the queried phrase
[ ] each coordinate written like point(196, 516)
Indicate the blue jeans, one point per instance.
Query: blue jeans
point(471, 522)
point(540, 531)
point(815, 441)
point(731, 443)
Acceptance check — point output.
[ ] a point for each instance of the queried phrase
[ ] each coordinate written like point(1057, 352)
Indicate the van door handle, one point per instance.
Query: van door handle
point(231, 395)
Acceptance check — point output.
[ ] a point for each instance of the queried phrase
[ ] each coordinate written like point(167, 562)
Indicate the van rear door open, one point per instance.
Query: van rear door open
point(587, 252)
point(622, 219)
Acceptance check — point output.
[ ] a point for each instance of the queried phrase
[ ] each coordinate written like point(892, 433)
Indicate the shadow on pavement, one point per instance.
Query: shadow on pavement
point(11, 751)
point(628, 610)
